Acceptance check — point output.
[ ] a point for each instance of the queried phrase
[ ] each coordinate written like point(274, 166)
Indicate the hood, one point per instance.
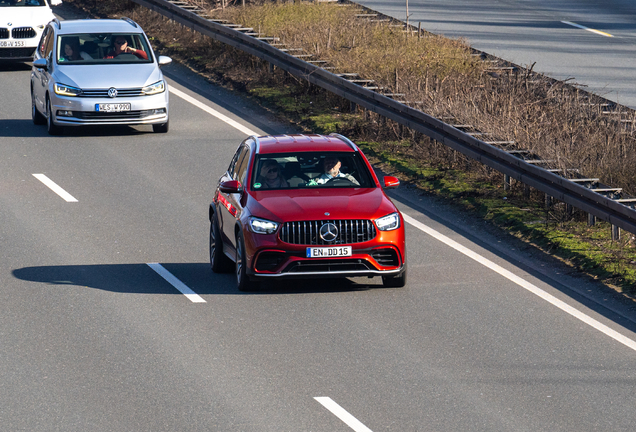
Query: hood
point(98, 76)
point(25, 16)
point(311, 204)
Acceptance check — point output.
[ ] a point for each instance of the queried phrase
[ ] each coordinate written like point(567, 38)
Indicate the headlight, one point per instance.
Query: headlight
point(388, 222)
point(262, 226)
point(158, 87)
point(65, 90)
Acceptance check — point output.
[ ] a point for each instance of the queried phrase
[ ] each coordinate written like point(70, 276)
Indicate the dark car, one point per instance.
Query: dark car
point(305, 206)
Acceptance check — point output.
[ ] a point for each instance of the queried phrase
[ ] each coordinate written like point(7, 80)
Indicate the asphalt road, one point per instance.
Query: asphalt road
point(487, 336)
point(545, 33)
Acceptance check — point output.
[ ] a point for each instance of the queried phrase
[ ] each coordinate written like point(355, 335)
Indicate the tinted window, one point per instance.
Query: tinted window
point(102, 48)
point(310, 170)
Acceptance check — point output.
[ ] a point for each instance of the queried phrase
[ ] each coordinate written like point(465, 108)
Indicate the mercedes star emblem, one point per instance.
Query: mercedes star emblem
point(112, 92)
point(328, 232)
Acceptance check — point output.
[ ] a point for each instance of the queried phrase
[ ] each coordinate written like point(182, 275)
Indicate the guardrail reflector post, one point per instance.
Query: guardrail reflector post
point(616, 233)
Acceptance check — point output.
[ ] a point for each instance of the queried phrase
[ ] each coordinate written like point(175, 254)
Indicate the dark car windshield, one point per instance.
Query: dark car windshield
point(22, 3)
point(104, 48)
point(310, 170)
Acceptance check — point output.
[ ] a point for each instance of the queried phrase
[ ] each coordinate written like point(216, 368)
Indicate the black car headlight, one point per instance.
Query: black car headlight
point(65, 90)
point(388, 222)
point(158, 87)
point(262, 226)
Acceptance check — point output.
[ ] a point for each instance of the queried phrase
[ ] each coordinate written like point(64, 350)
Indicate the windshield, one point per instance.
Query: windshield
point(103, 48)
point(310, 170)
point(22, 3)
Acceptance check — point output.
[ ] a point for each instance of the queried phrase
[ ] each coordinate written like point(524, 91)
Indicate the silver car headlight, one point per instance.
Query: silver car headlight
point(262, 226)
point(64, 90)
point(158, 87)
point(388, 222)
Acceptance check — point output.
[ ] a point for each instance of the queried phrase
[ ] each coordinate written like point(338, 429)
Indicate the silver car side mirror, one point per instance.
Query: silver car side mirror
point(164, 60)
point(41, 64)
point(56, 2)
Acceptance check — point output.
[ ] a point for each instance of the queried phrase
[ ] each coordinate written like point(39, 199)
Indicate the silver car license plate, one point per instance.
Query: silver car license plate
point(112, 107)
point(328, 252)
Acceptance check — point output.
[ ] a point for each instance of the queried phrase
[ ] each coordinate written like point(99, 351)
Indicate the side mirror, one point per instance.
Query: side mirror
point(231, 186)
point(164, 60)
point(56, 2)
point(41, 63)
point(391, 182)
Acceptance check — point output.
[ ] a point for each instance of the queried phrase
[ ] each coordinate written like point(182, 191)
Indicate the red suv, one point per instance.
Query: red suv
point(305, 206)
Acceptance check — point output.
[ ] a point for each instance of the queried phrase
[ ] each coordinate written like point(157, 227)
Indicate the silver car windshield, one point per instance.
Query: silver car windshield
point(14, 3)
point(103, 48)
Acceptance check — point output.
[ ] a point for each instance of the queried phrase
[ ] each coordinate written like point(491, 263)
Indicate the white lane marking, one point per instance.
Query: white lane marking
point(55, 188)
point(523, 283)
point(212, 111)
point(191, 295)
point(343, 415)
point(587, 28)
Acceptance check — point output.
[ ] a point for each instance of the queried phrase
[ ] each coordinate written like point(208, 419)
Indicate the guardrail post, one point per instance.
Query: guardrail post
point(353, 107)
point(526, 191)
point(271, 68)
point(506, 182)
point(569, 210)
point(591, 220)
point(548, 201)
point(616, 233)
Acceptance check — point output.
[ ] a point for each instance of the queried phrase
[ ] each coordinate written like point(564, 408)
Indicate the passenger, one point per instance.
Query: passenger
point(271, 176)
point(72, 51)
point(121, 47)
point(332, 166)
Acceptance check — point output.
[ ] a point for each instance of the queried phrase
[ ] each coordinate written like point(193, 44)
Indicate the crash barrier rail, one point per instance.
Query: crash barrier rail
point(618, 212)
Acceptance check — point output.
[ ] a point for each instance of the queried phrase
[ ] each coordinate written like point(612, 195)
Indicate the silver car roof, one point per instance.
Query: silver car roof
point(98, 26)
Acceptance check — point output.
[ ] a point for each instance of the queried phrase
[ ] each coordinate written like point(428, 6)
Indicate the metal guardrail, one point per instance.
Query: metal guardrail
point(558, 187)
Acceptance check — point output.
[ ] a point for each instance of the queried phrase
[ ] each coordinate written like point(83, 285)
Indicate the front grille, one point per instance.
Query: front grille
point(126, 115)
point(307, 232)
point(4, 33)
point(16, 52)
point(386, 257)
point(104, 92)
point(23, 33)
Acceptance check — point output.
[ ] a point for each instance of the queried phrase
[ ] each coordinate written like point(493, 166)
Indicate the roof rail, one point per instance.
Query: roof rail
point(345, 139)
point(57, 21)
point(129, 21)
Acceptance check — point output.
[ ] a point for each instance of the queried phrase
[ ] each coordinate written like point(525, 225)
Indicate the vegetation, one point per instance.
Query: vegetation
point(444, 79)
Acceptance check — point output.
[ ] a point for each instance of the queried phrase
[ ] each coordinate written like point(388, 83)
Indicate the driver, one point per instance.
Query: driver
point(332, 166)
point(121, 47)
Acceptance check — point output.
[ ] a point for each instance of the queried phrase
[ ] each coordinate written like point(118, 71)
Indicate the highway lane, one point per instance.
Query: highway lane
point(536, 32)
point(93, 339)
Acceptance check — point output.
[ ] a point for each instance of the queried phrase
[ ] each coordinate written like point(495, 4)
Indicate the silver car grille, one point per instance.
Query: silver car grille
point(4, 33)
point(308, 232)
point(103, 93)
point(23, 33)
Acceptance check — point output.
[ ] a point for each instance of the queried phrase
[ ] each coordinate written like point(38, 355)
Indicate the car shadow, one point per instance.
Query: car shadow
point(14, 67)
point(141, 279)
point(23, 128)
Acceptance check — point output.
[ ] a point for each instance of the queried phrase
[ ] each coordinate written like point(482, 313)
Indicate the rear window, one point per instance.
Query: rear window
point(310, 170)
point(103, 48)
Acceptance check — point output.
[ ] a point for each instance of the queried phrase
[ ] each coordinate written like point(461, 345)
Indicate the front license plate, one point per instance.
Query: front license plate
point(328, 252)
point(11, 44)
point(112, 107)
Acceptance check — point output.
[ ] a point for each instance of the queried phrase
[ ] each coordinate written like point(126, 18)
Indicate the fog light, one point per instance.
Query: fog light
point(64, 113)
point(160, 111)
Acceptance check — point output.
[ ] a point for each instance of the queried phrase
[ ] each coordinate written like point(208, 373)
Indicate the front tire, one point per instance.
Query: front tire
point(395, 281)
point(161, 128)
point(51, 127)
point(38, 118)
point(219, 262)
point(243, 281)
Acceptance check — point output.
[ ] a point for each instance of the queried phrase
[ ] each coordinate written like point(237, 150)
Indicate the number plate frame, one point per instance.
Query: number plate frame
point(329, 252)
point(112, 107)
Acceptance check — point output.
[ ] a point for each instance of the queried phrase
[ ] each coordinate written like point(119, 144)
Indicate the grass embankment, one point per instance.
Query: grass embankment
point(442, 78)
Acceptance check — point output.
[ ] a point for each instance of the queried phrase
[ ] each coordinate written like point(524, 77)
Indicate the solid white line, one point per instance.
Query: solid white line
point(587, 28)
point(212, 111)
point(191, 295)
point(523, 283)
point(55, 188)
point(343, 415)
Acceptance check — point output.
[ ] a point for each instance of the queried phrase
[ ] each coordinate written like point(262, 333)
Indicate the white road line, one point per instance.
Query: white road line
point(587, 28)
point(523, 283)
point(55, 188)
point(212, 111)
point(343, 415)
point(191, 295)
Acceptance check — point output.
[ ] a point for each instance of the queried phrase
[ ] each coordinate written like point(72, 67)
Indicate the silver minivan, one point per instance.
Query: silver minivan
point(97, 72)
